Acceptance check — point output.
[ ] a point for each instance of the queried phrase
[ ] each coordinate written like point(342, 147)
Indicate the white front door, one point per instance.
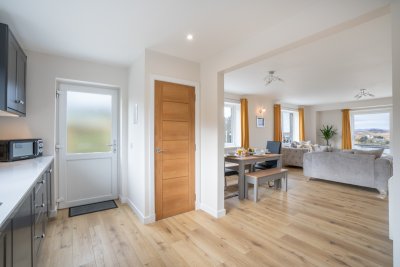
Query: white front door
point(87, 145)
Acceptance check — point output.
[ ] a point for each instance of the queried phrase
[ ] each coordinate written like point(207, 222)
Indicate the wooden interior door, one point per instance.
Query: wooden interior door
point(174, 148)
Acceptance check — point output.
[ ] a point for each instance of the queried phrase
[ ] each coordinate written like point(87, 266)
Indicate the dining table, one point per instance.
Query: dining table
point(250, 160)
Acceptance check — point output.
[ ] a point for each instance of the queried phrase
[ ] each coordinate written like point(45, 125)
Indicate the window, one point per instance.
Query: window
point(290, 126)
point(371, 128)
point(232, 124)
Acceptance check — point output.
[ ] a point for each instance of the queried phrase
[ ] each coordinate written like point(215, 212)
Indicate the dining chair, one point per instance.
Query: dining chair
point(273, 147)
point(230, 169)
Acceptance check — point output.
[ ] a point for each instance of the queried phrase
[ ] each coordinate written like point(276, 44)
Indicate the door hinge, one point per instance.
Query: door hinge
point(58, 93)
point(58, 147)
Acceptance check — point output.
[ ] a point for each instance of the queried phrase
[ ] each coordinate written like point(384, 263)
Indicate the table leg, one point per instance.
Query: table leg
point(279, 163)
point(242, 193)
point(246, 188)
point(286, 181)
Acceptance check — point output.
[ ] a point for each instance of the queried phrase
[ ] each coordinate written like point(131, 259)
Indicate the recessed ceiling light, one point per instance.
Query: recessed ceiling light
point(189, 37)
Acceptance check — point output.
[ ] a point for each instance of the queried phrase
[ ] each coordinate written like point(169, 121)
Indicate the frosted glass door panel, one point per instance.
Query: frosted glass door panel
point(89, 122)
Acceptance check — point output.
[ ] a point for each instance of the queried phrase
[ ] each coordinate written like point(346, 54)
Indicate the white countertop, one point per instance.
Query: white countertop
point(16, 178)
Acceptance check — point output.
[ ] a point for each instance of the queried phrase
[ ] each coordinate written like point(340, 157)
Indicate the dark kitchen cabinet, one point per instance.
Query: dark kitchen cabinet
point(6, 245)
point(22, 235)
point(12, 73)
point(40, 214)
point(22, 225)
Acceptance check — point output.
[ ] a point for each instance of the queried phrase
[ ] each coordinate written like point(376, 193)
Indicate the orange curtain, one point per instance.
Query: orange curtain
point(346, 132)
point(301, 124)
point(277, 123)
point(244, 120)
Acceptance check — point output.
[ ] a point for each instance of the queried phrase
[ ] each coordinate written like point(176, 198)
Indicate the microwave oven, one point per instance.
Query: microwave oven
point(18, 149)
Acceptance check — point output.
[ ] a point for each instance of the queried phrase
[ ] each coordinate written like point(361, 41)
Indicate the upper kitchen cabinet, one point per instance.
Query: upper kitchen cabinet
point(12, 73)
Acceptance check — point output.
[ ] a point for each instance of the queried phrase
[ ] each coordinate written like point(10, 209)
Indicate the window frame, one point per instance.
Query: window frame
point(235, 107)
point(372, 111)
point(294, 120)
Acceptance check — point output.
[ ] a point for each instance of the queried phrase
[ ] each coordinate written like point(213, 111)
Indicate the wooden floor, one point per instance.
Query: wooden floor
point(315, 223)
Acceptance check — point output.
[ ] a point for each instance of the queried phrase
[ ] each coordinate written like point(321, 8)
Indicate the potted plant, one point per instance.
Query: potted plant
point(328, 133)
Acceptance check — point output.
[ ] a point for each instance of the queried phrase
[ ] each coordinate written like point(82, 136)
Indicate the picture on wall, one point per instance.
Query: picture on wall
point(260, 122)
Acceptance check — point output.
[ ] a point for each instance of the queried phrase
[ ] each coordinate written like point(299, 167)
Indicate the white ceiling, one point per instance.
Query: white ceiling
point(116, 31)
point(329, 70)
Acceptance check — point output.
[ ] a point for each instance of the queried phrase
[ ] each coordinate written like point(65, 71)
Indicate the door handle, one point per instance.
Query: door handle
point(19, 102)
point(113, 145)
point(40, 236)
point(40, 206)
point(159, 150)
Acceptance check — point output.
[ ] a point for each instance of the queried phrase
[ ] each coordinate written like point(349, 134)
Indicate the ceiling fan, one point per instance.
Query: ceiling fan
point(271, 77)
point(363, 93)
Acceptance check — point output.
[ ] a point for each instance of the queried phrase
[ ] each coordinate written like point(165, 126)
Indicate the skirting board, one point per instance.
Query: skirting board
point(152, 218)
point(215, 213)
point(139, 214)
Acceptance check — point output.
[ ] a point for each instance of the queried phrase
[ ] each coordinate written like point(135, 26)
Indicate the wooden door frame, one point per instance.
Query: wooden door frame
point(152, 193)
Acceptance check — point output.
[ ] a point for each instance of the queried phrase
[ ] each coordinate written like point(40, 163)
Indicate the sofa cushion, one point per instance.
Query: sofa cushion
point(294, 144)
point(376, 152)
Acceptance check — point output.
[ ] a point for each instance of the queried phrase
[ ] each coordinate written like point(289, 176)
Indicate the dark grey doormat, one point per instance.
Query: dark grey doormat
point(90, 208)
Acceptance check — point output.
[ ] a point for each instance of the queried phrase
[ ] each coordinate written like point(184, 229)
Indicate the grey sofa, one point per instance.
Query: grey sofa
point(293, 156)
point(344, 167)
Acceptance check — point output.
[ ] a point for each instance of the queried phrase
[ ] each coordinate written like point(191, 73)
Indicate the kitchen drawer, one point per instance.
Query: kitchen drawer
point(40, 183)
point(39, 233)
point(40, 199)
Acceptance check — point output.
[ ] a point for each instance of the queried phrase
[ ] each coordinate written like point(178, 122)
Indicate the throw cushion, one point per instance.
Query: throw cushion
point(376, 152)
point(324, 148)
point(318, 148)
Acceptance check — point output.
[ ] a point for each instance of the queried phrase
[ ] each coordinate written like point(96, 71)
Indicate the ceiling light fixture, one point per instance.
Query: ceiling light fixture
point(363, 93)
point(271, 77)
point(189, 37)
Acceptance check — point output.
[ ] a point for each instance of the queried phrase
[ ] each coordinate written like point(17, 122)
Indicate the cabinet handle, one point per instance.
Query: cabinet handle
point(40, 206)
point(19, 102)
point(42, 182)
point(40, 236)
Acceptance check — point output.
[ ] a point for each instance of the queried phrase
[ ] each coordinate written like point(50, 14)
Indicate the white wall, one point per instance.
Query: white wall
point(259, 136)
point(394, 183)
point(141, 158)
point(310, 124)
point(42, 72)
point(136, 138)
point(330, 117)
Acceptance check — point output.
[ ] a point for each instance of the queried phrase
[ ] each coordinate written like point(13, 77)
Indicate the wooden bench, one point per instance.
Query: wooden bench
point(261, 177)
